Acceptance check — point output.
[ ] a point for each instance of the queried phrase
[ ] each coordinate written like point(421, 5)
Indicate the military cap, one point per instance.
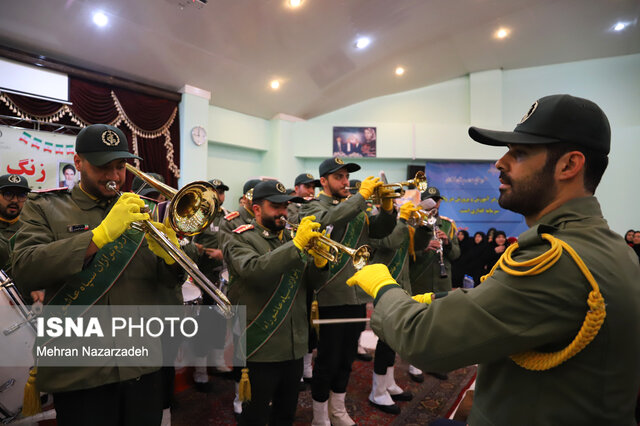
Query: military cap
point(354, 186)
point(555, 119)
point(431, 192)
point(306, 178)
point(273, 191)
point(101, 144)
point(332, 165)
point(218, 184)
point(250, 184)
point(14, 181)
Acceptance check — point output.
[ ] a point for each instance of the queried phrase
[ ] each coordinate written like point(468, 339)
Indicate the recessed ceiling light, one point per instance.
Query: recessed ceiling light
point(502, 33)
point(100, 19)
point(399, 71)
point(295, 3)
point(363, 42)
point(275, 84)
point(620, 26)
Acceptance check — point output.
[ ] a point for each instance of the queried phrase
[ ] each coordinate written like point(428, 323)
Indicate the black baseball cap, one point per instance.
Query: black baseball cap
point(273, 191)
point(102, 143)
point(555, 119)
point(354, 186)
point(218, 184)
point(250, 184)
point(332, 165)
point(14, 181)
point(306, 178)
point(431, 192)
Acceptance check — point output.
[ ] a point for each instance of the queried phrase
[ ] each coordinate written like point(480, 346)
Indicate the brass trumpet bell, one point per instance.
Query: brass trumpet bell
point(396, 190)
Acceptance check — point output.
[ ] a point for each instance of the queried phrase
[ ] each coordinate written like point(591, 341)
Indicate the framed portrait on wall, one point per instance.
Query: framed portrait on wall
point(354, 141)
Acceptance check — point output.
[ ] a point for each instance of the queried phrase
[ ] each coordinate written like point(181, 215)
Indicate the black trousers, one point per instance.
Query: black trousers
point(135, 402)
point(337, 347)
point(385, 357)
point(274, 383)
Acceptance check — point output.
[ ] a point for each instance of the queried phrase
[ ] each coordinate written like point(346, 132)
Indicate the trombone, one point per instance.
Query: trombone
point(396, 190)
point(329, 249)
point(191, 210)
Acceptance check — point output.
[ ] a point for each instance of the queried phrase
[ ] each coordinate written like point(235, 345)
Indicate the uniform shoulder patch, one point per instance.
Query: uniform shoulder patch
point(242, 228)
point(232, 215)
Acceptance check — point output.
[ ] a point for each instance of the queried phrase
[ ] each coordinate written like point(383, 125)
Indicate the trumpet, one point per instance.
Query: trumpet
point(395, 190)
point(329, 249)
point(192, 209)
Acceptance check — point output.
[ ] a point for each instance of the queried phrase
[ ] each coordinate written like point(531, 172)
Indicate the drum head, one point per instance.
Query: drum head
point(190, 293)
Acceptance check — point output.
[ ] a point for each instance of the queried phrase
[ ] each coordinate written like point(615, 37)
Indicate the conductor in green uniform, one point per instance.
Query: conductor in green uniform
point(63, 233)
point(555, 326)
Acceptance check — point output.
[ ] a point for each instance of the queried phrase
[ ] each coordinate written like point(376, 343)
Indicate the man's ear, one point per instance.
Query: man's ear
point(257, 209)
point(77, 161)
point(323, 181)
point(570, 165)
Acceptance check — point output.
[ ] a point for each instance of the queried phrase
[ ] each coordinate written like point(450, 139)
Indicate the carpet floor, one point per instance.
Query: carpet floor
point(432, 399)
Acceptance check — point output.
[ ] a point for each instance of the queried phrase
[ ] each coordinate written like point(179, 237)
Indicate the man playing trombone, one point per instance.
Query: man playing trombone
point(270, 275)
point(352, 227)
point(63, 231)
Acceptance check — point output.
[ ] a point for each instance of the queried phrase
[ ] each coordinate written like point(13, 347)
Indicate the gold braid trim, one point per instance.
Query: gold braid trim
point(538, 361)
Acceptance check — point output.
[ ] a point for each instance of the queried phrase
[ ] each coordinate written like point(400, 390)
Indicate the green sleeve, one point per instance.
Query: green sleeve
point(393, 240)
point(339, 214)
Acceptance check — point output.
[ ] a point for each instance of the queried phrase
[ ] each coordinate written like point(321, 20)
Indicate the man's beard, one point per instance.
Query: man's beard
point(9, 216)
point(337, 191)
point(269, 222)
point(98, 191)
point(530, 195)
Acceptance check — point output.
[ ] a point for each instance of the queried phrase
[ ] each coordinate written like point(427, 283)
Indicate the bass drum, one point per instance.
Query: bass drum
point(16, 340)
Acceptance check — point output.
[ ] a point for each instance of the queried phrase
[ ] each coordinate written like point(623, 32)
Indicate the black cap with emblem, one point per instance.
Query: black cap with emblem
point(306, 178)
point(555, 119)
point(219, 185)
point(274, 191)
point(250, 184)
point(14, 181)
point(431, 192)
point(332, 165)
point(102, 143)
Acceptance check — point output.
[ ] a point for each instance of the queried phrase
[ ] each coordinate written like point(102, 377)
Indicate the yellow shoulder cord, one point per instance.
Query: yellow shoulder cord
point(538, 361)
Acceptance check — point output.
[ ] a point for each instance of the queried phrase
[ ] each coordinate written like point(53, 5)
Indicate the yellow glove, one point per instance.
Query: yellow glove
point(372, 278)
point(367, 187)
point(407, 209)
point(156, 248)
point(306, 231)
point(124, 211)
point(318, 260)
point(423, 298)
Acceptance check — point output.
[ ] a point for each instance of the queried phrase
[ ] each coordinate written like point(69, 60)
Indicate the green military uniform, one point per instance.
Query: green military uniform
point(293, 212)
point(509, 314)
point(231, 221)
point(50, 249)
point(7, 229)
point(340, 214)
point(209, 238)
point(425, 270)
point(393, 251)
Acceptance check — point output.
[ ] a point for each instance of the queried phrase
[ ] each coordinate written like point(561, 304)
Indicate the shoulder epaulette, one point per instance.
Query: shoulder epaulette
point(240, 229)
point(50, 191)
point(232, 215)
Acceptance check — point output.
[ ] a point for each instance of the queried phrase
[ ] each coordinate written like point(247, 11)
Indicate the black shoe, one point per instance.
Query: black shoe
point(418, 378)
point(206, 387)
point(404, 396)
point(389, 409)
point(438, 375)
point(364, 357)
point(307, 380)
point(302, 386)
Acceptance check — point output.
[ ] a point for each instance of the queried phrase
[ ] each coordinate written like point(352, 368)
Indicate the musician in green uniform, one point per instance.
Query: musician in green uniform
point(63, 239)
point(431, 268)
point(352, 226)
point(13, 193)
point(305, 187)
point(272, 274)
point(554, 327)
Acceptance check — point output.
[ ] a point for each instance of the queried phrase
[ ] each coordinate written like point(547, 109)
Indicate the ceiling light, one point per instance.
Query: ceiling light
point(399, 71)
point(100, 19)
point(295, 3)
point(275, 84)
point(620, 26)
point(502, 33)
point(363, 42)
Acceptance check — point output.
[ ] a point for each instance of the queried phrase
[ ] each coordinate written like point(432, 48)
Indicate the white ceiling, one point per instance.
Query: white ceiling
point(233, 48)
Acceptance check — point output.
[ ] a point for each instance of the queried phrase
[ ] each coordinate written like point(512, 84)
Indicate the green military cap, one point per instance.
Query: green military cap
point(14, 181)
point(555, 119)
point(273, 191)
point(332, 165)
point(102, 143)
